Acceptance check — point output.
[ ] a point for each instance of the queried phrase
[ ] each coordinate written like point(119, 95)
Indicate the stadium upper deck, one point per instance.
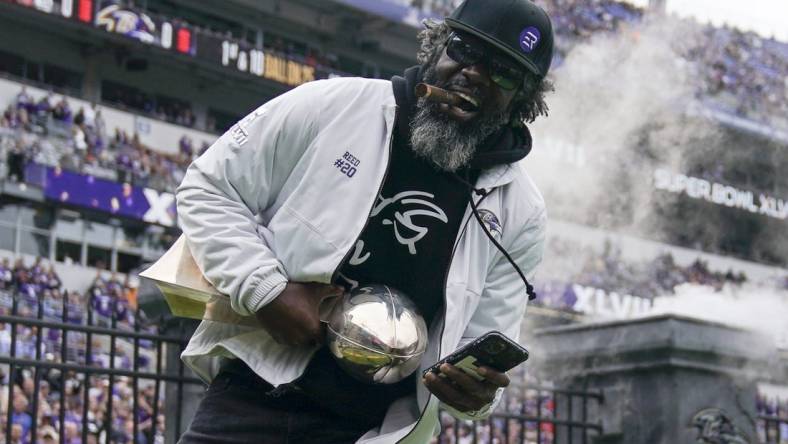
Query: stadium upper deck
point(197, 65)
point(286, 43)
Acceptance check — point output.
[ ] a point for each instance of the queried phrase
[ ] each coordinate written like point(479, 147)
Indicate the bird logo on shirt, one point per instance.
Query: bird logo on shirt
point(412, 204)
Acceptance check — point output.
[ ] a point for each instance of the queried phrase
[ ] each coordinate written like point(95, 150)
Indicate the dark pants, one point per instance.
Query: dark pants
point(239, 407)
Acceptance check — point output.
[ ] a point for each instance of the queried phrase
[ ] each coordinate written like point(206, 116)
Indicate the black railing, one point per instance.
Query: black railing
point(92, 371)
point(773, 429)
point(530, 413)
point(77, 373)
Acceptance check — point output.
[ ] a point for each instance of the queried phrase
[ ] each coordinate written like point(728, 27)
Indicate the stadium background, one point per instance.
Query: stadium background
point(662, 164)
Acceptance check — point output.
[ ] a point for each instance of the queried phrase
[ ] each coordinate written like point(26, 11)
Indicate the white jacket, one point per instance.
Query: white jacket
point(265, 205)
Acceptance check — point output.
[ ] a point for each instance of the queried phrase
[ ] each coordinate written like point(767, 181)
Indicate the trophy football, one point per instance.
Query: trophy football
point(376, 334)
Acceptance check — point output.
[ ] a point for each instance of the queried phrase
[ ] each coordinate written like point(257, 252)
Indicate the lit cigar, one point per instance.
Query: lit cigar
point(435, 94)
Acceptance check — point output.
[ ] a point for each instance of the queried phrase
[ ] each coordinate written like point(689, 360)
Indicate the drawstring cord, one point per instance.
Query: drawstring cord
point(529, 289)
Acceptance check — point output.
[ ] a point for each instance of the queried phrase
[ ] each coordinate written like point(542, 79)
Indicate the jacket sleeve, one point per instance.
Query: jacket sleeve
point(503, 301)
point(239, 176)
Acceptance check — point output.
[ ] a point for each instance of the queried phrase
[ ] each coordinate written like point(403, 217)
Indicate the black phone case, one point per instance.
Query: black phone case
point(492, 349)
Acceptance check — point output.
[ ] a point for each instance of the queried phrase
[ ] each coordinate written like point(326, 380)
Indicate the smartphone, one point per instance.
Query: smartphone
point(493, 349)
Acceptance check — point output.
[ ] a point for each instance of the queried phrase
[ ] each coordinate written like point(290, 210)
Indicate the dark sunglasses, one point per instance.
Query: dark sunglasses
point(503, 72)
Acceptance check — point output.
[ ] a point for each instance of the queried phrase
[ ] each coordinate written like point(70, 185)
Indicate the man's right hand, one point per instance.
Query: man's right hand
point(293, 318)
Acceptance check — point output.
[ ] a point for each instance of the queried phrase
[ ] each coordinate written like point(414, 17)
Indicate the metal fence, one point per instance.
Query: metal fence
point(92, 371)
point(773, 429)
point(531, 412)
point(87, 375)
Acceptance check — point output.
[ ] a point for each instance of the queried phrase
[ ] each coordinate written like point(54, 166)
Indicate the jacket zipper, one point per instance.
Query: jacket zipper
point(374, 201)
point(445, 288)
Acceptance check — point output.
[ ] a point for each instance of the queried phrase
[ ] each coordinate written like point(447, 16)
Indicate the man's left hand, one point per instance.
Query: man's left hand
point(463, 392)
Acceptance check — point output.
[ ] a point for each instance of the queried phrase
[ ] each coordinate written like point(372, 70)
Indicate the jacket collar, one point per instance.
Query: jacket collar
point(497, 176)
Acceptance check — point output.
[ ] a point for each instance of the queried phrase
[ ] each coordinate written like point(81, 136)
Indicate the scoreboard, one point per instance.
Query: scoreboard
point(176, 35)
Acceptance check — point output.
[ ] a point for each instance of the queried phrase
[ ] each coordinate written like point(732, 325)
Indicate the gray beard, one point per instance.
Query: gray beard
point(449, 144)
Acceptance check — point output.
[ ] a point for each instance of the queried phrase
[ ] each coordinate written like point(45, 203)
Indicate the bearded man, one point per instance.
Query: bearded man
point(350, 181)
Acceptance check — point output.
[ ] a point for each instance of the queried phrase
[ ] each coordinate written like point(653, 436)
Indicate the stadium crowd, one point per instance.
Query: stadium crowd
point(737, 72)
point(49, 132)
point(36, 291)
point(743, 73)
point(609, 271)
point(569, 263)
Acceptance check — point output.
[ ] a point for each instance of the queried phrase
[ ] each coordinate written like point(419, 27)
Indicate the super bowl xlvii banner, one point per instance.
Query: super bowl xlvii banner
point(122, 199)
point(591, 301)
point(720, 194)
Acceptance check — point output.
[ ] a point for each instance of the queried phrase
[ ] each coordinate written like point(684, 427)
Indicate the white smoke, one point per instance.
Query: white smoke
point(608, 90)
point(749, 306)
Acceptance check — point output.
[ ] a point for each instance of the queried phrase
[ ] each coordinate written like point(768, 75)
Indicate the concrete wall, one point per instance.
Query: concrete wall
point(657, 374)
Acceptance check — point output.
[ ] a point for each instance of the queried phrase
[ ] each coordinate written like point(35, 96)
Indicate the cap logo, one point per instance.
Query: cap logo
point(529, 38)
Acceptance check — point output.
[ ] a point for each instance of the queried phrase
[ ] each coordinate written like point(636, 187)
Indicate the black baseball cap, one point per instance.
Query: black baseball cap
point(519, 28)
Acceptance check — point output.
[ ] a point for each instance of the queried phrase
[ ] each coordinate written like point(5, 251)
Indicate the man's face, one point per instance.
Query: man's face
point(474, 82)
point(448, 136)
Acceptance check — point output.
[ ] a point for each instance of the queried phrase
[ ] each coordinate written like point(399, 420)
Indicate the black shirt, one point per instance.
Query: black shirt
point(409, 238)
point(407, 244)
